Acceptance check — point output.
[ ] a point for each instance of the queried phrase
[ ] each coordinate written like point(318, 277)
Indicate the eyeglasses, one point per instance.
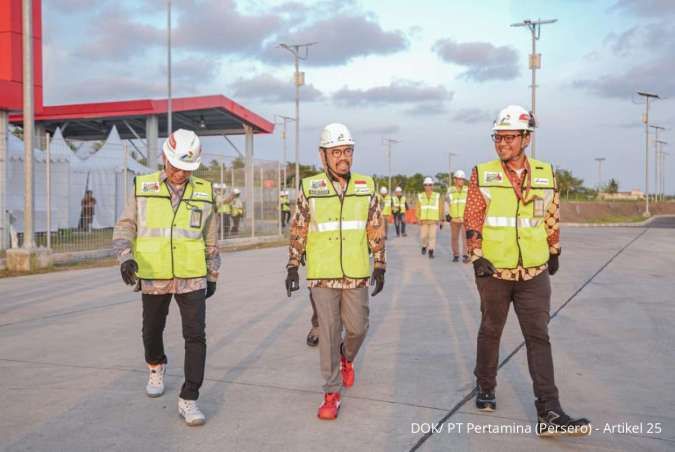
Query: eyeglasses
point(508, 139)
point(337, 153)
point(428, 185)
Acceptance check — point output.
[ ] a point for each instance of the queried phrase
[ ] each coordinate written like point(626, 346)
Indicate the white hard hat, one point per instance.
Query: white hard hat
point(383, 190)
point(236, 191)
point(183, 150)
point(335, 134)
point(514, 117)
point(428, 181)
point(459, 174)
point(398, 189)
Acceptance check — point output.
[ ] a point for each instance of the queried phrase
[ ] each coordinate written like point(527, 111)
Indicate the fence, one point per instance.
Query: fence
point(77, 201)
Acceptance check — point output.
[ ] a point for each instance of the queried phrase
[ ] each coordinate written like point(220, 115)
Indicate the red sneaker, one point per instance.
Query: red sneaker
point(347, 370)
point(330, 406)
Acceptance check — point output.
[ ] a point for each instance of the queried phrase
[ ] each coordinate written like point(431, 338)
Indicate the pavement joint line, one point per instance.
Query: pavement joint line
point(62, 314)
point(216, 380)
point(520, 346)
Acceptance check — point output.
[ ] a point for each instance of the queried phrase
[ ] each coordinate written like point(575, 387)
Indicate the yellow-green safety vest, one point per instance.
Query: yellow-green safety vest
point(429, 207)
point(337, 245)
point(397, 204)
point(285, 204)
point(237, 207)
point(169, 243)
point(224, 207)
point(386, 207)
point(514, 233)
point(458, 201)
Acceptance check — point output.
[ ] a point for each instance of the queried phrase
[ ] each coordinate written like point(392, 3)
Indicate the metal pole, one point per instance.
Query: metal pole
point(125, 147)
point(48, 189)
point(279, 196)
point(28, 123)
point(450, 155)
point(169, 106)
point(285, 152)
point(389, 162)
point(297, 123)
point(534, 88)
point(4, 162)
point(599, 160)
point(262, 195)
point(647, 157)
point(656, 157)
point(222, 188)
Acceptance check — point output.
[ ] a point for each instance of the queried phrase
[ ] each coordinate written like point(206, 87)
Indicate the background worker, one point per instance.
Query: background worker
point(224, 206)
point(429, 211)
point(166, 242)
point(337, 224)
point(456, 205)
point(285, 206)
point(512, 226)
point(237, 210)
point(386, 209)
point(399, 206)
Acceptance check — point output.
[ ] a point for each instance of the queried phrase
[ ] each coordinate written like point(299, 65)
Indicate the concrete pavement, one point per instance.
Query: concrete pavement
point(71, 358)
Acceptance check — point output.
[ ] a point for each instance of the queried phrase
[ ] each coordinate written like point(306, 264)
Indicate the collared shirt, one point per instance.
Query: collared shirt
point(474, 218)
point(300, 229)
point(125, 233)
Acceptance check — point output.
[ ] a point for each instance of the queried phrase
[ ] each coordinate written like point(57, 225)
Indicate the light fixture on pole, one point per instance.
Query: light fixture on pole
point(600, 160)
point(389, 142)
point(169, 106)
point(299, 80)
point(535, 61)
point(647, 97)
point(284, 122)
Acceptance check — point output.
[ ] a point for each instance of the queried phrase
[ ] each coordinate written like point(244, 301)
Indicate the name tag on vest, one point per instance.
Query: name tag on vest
point(493, 176)
point(541, 180)
point(195, 218)
point(319, 187)
point(150, 187)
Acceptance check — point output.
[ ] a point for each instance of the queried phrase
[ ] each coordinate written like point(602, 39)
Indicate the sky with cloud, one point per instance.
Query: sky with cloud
point(431, 73)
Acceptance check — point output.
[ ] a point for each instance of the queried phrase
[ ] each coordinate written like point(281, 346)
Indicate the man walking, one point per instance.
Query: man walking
point(237, 211)
point(224, 206)
point(457, 203)
point(512, 227)
point(166, 242)
point(429, 212)
point(285, 206)
point(385, 205)
point(399, 206)
point(337, 224)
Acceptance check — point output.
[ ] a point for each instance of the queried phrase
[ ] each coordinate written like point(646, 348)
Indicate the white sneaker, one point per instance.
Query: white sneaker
point(155, 386)
point(188, 410)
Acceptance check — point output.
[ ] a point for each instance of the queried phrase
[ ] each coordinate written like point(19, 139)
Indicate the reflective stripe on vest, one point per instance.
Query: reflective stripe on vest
point(512, 235)
point(397, 203)
point(170, 244)
point(337, 244)
point(458, 201)
point(429, 207)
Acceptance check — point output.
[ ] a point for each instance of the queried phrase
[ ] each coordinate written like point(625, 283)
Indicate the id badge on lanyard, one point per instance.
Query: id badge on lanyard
point(538, 208)
point(195, 218)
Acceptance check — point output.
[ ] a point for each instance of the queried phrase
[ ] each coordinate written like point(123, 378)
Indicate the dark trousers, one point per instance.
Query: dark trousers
point(225, 224)
point(399, 223)
point(532, 302)
point(192, 307)
point(235, 224)
point(285, 218)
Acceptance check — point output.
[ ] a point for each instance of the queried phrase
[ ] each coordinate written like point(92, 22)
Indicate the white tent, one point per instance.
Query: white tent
point(104, 173)
point(86, 149)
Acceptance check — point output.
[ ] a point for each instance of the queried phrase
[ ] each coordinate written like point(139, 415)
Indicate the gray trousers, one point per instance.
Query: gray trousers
point(338, 308)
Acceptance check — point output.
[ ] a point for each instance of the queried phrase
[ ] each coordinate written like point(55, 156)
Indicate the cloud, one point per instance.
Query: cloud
point(390, 129)
point(398, 92)
point(649, 76)
point(340, 39)
point(622, 43)
point(472, 115)
point(267, 88)
point(645, 8)
point(483, 60)
point(115, 87)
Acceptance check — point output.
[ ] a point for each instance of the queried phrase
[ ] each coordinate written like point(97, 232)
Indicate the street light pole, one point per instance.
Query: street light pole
point(389, 142)
point(450, 156)
point(656, 157)
point(647, 97)
point(535, 61)
point(600, 160)
point(299, 80)
point(169, 103)
point(284, 122)
point(659, 163)
point(28, 123)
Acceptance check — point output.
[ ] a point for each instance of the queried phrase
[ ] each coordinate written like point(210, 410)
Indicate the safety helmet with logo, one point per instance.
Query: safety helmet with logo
point(514, 117)
point(236, 191)
point(459, 174)
point(183, 150)
point(383, 190)
point(428, 181)
point(398, 190)
point(335, 134)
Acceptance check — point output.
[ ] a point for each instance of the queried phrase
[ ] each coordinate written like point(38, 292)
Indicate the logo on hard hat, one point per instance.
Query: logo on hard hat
point(188, 157)
point(524, 117)
point(505, 121)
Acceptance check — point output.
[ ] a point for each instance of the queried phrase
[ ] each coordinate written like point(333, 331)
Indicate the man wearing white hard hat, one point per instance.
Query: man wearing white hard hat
point(285, 206)
point(456, 204)
point(166, 242)
point(512, 227)
point(337, 224)
point(429, 212)
point(399, 206)
point(385, 205)
point(237, 210)
point(224, 207)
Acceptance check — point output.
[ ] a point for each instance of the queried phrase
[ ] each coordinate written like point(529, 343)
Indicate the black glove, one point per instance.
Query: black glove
point(483, 267)
point(553, 264)
point(377, 280)
point(128, 270)
point(292, 280)
point(302, 259)
point(210, 288)
point(448, 218)
point(440, 224)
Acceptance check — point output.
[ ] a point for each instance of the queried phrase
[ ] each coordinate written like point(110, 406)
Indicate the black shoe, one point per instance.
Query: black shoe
point(431, 254)
point(465, 259)
point(405, 235)
point(312, 340)
point(554, 423)
point(424, 250)
point(455, 258)
point(486, 400)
